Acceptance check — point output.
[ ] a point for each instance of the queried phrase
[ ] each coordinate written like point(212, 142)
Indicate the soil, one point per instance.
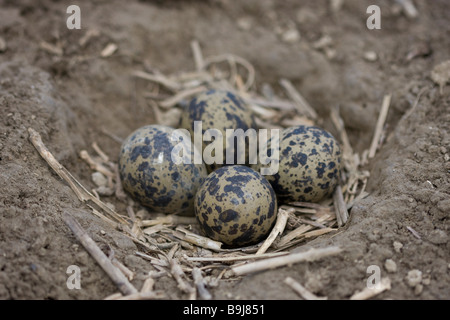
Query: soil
point(71, 98)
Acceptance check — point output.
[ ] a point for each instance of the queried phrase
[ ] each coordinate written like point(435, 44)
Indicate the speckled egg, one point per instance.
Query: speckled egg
point(309, 164)
point(221, 110)
point(236, 206)
point(151, 177)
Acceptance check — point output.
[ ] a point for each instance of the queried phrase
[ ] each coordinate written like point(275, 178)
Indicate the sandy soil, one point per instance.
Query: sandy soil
point(73, 97)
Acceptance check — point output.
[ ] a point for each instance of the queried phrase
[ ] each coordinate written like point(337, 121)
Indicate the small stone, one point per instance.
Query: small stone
point(438, 237)
point(245, 23)
point(370, 56)
point(414, 277)
point(99, 179)
point(441, 74)
point(291, 36)
point(418, 289)
point(397, 246)
point(390, 266)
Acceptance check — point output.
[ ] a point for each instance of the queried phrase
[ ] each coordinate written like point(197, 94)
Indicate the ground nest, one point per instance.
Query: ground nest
point(172, 244)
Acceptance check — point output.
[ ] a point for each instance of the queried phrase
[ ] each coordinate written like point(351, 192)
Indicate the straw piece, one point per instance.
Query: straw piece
point(367, 293)
point(198, 56)
point(310, 255)
point(95, 165)
point(277, 229)
point(53, 49)
point(303, 107)
point(180, 276)
point(172, 101)
point(379, 127)
point(197, 239)
point(169, 219)
point(148, 284)
point(199, 283)
point(81, 192)
point(300, 231)
point(158, 78)
point(109, 50)
point(113, 272)
point(340, 207)
point(236, 258)
point(301, 290)
point(409, 8)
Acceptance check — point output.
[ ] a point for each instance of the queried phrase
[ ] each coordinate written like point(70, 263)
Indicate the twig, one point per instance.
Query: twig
point(310, 255)
point(95, 165)
point(179, 276)
point(300, 231)
point(169, 219)
point(113, 272)
point(81, 192)
point(199, 283)
point(109, 50)
point(367, 293)
point(340, 207)
point(198, 56)
point(379, 127)
point(114, 137)
point(276, 104)
point(196, 239)
point(36, 140)
point(56, 50)
point(414, 232)
point(148, 284)
point(409, 8)
point(230, 57)
point(236, 258)
point(158, 78)
point(303, 107)
point(277, 229)
point(100, 152)
point(301, 290)
point(170, 102)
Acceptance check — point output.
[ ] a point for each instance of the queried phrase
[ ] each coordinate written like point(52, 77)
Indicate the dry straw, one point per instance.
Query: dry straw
point(172, 244)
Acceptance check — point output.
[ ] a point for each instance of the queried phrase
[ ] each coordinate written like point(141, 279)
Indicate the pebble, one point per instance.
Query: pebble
point(245, 23)
point(291, 36)
point(414, 277)
point(99, 179)
point(390, 266)
point(397, 246)
point(370, 56)
point(438, 237)
point(418, 289)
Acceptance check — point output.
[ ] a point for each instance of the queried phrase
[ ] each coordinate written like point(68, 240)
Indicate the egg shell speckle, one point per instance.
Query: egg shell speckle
point(309, 164)
point(221, 110)
point(150, 176)
point(236, 206)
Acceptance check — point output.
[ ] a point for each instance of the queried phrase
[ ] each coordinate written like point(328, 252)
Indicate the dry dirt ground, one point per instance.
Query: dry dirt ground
point(72, 97)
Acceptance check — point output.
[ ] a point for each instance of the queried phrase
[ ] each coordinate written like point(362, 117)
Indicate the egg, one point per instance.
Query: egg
point(152, 178)
point(220, 110)
point(236, 206)
point(309, 164)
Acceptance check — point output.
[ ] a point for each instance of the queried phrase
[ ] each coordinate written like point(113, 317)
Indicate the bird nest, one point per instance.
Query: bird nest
point(172, 244)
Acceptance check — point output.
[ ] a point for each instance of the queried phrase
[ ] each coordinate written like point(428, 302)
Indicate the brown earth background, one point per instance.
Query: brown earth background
point(72, 98)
